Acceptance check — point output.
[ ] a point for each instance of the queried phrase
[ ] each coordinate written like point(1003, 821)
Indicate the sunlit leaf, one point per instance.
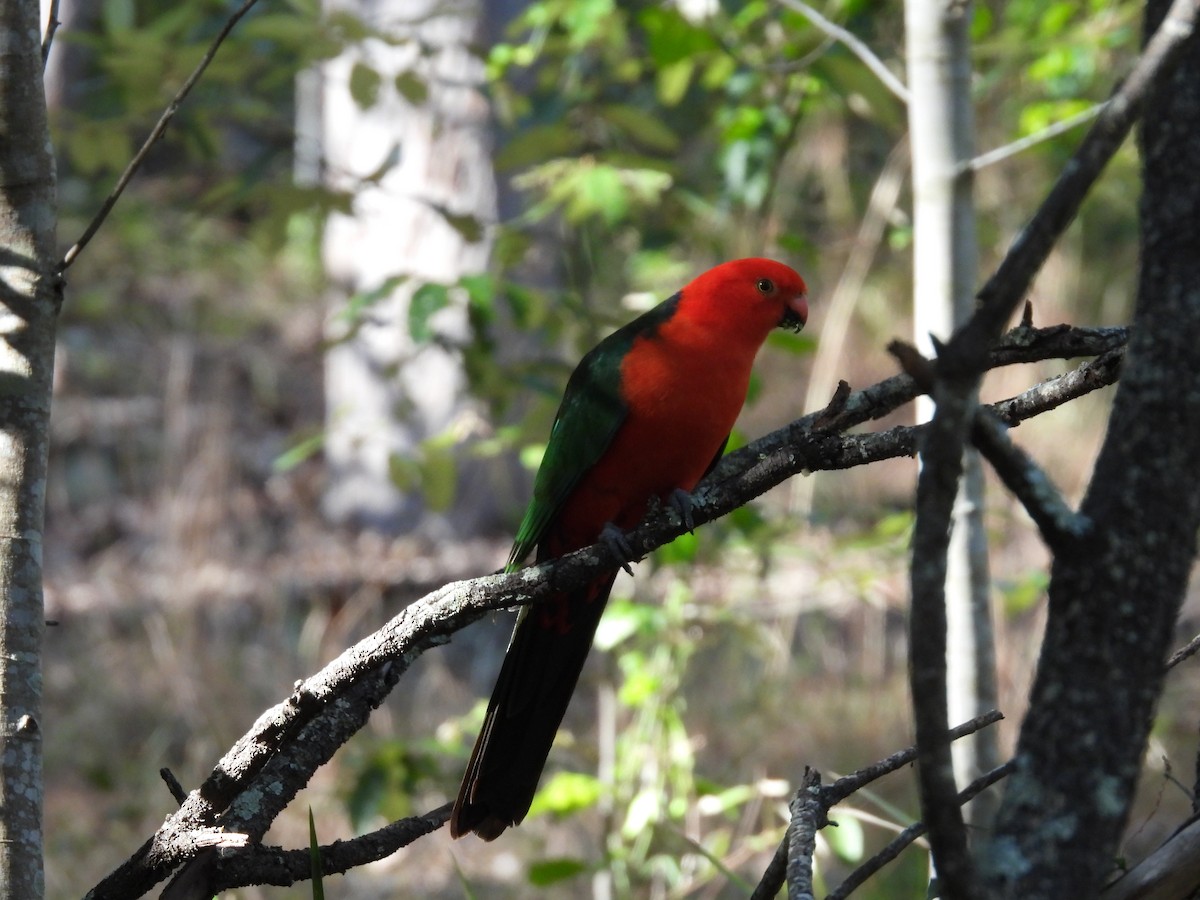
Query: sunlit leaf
point(566, 792)
point(847, 840)
point(673, 81)
point(552, 871)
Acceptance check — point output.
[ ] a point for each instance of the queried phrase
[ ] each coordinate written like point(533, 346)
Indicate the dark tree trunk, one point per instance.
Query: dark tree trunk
point(1113, 604)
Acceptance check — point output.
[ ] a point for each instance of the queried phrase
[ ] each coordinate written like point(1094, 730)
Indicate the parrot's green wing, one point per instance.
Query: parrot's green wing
point(588, 419)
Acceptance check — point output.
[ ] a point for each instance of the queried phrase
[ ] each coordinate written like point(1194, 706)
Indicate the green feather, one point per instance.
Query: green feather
point(589, 417)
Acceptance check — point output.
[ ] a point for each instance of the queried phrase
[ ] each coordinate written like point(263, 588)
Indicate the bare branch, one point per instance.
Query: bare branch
point(1061, 527)
point(999, 154)
point(52, 24)
point(1187, 651)
point(808, 817)
point(156, 133)
point(283, 868)
point(894, 847)
point(848, 784)
point(1172, 872)
point(864, 53)
point(829, 796)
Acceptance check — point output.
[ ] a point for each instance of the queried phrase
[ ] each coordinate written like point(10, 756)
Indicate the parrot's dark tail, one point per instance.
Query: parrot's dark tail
point(537, 678)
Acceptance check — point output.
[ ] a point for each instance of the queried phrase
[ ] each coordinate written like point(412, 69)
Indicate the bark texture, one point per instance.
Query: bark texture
point(28, 306)
point(1113, 602)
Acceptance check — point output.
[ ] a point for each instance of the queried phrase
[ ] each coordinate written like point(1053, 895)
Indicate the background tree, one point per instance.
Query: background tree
point(29, 297)
point(945, 270)
point(406, 134)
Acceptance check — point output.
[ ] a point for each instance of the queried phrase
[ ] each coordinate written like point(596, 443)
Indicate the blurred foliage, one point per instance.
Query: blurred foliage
point(645, 144)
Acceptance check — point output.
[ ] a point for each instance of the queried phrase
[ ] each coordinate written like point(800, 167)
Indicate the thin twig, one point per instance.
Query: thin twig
point(854, 45)
point(164, 120)
point(829, 796)
point(999, 154)
point(1187, 651)
point(894, 847)
point(52, 24)
point(173, 785)
point(848, 784)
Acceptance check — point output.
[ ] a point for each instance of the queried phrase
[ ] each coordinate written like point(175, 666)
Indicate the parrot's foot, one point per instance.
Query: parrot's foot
point(681, 501)
point(614, 538)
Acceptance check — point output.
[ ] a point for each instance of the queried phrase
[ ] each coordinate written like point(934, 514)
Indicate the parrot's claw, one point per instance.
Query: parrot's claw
point(681, 501)
point(614, 538)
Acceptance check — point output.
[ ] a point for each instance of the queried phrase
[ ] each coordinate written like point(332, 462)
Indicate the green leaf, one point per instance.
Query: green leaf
point(642, 127)
point(671, 37)
point(644, 809)
point(426, 300)
point(847, 840)
point(1024, 594)
point(801, 344)
point(552, 871)
point(314, 857)
point(680, 551)
point(298, 453)
point(621, 620)
point(469, 228)
point(566, 792)
point(538, 145)
point(364, 85)
point(439, 476)
point(673, 81)
point(412, 87)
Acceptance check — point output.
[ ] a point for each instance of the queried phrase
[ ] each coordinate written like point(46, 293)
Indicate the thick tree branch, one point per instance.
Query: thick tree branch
point(283, 868)
point(808, 817)
point(289, 741)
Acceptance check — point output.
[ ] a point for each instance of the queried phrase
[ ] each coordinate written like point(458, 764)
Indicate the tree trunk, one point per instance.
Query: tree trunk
point(28, 306)
point(945, 271)
point(387, 394)
point(1113, 604)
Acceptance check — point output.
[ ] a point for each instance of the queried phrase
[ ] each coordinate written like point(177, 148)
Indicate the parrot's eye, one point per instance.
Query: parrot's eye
point(765, 286)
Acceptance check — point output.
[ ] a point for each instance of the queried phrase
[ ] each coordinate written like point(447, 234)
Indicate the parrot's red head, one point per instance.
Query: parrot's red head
point(746, 298)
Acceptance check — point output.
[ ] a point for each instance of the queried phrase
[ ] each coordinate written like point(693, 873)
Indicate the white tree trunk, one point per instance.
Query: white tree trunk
point(386, 393)
point(944, 274)
point(29, 296)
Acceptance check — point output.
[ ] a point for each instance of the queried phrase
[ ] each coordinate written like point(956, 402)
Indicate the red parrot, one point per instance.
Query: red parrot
point(645, 414)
